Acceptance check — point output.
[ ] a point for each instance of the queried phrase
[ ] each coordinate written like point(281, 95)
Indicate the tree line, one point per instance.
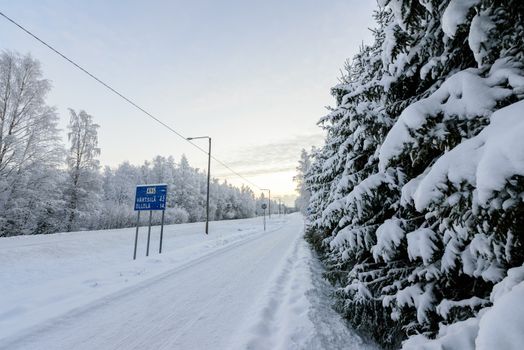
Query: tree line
point(47, 187)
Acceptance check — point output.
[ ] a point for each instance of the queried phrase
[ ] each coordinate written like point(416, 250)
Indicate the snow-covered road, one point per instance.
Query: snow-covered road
point(239, 288)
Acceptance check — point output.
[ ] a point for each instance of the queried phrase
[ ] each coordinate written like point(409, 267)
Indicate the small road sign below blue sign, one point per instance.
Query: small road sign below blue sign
point(151, 197)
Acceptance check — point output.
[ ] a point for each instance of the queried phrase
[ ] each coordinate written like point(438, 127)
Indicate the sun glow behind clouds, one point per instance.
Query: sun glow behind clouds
point(281, 184)
point(271, 165)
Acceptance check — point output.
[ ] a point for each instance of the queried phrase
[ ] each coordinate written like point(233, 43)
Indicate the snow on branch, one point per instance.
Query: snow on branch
point(421, 244)
point(464, 96)
point(455, 15)
point(389, 237)
point(486, 161)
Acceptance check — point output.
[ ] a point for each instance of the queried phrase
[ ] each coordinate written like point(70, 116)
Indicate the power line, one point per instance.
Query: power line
point(128, 100)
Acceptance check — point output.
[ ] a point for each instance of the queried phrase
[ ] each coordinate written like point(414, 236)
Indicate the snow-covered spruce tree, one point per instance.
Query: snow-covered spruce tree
point(30, 150)
point(345, 210)
point(461, 247)
point(304, 164)
point(398, 242)
point(83, 186)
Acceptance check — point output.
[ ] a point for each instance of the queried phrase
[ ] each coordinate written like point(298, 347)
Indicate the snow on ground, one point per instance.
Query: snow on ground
point(239, 287)
point(44, 276)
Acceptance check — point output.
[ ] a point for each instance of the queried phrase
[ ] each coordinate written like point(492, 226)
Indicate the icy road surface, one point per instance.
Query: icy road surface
point(238, 288)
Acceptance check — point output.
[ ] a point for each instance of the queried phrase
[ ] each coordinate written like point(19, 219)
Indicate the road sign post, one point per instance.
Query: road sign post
point(149, 232)
point(264, 206)
point(136, 234)
point(269, 200)
point(150, 197)
point(161, 233)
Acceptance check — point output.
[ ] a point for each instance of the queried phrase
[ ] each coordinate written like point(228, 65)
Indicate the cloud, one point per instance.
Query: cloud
point(275, 157)
point(255, 171)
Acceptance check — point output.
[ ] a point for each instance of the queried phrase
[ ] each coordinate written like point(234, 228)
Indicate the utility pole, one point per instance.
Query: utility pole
point(208, 176)
point(208, 182)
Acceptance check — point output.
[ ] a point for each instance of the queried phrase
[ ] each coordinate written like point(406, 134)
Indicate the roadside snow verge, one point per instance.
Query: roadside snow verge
point(295, 310)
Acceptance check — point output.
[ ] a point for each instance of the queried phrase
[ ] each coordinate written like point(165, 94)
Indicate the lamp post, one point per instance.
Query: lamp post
point(208, 176)
point(269, 202)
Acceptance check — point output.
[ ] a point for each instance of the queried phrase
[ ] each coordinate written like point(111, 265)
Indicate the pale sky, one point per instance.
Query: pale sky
point(253, 75)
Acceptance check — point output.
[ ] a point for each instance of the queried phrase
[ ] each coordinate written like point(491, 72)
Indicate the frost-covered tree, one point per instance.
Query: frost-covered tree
point(82, 188)
point(247, 206)
point(119, 195)
point(187, 191)
point(30, 149)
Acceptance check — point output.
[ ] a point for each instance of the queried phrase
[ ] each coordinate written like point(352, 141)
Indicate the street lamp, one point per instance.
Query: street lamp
point(208, 176)
point(267, 189)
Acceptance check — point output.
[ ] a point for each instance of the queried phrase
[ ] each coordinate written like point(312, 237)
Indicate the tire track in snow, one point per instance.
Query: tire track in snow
point(245, 273)
point(283, 321)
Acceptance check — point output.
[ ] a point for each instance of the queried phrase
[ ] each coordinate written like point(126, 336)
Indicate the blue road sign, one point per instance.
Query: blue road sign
point(151, 197)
